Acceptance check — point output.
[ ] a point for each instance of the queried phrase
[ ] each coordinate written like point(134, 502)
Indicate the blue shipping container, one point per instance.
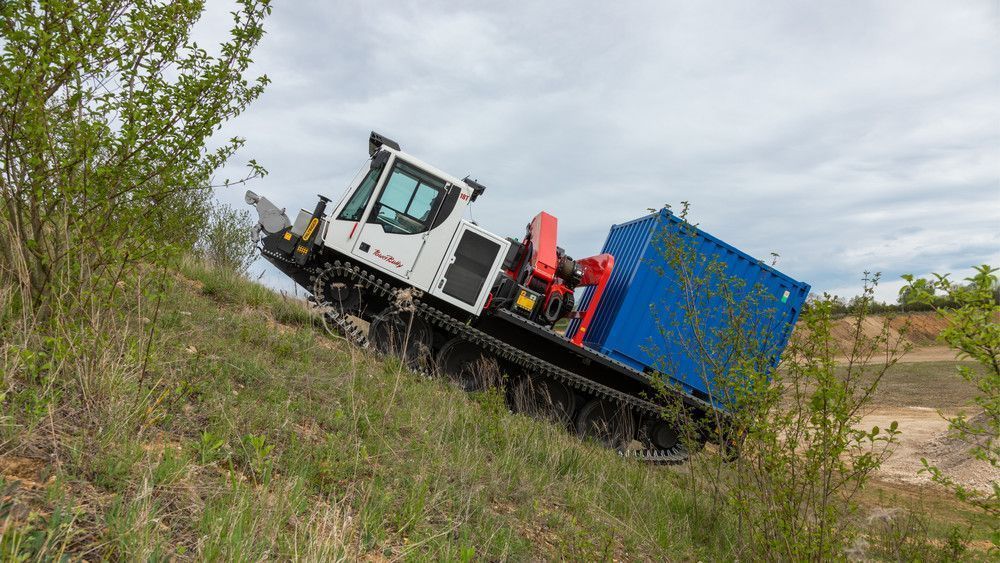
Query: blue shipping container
point(642, 319)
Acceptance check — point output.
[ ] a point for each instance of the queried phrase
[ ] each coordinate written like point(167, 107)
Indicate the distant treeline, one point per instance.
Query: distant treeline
point(845, 305)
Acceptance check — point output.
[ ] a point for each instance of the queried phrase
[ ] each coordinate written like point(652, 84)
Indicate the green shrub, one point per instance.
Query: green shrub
point(974, 332)
point(100, 181)
point(226, 240)
point(799, 455)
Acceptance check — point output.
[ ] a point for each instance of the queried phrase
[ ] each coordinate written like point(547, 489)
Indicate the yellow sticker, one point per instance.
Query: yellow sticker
point(526, 301)
point(310, 229)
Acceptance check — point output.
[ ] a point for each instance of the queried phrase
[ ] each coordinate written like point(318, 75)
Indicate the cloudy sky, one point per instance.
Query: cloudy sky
point(845, 136)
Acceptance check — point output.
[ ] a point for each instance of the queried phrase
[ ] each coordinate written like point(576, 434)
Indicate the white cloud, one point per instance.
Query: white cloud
point(845, 136)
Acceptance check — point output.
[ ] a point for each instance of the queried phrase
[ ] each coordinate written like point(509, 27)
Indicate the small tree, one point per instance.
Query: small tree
point(795, 428)
point(226, 240)
point(106, 109)
point(974, 333)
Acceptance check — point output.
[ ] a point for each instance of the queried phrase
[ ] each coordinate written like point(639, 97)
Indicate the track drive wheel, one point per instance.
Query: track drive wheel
point(467, 365)
point(402, 334)
point(610, 424)
point(544, 398)
point(339, 292)
point(338, 298)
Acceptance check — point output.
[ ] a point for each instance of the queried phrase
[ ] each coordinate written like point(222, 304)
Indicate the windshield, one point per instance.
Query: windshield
point(408, 201)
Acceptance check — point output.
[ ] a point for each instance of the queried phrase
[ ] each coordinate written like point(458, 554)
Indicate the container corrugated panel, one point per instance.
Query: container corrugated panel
point(642, 321)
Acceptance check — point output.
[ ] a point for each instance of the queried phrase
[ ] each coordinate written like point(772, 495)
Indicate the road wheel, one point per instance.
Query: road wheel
point(467, 365)
point(401, 334)
point(609, 424)
point(544, 398)
point(661, 435)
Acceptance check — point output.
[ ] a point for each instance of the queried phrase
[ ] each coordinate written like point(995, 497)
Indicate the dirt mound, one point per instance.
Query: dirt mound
point(919, 330)
point(843, 331)
point(922, 329)
point(952, 456)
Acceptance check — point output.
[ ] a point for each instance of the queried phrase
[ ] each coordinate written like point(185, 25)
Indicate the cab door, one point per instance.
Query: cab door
point(395, 231)
point(471, 264)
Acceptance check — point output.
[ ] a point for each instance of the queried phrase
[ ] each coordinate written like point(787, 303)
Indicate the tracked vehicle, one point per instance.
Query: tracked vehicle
point(394, 253)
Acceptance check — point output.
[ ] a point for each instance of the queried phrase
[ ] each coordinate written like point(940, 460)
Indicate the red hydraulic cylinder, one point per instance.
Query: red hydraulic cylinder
point(596, 272)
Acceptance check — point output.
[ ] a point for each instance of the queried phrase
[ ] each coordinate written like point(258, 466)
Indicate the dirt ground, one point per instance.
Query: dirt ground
point(925, 435)
point(930, 354)
point(916, 393)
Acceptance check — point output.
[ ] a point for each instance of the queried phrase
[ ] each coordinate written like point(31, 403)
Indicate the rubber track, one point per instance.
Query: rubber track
point(500, 349)
point(333, 315)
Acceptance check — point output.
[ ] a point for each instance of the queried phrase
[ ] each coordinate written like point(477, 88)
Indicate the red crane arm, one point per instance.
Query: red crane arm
point(543, 232)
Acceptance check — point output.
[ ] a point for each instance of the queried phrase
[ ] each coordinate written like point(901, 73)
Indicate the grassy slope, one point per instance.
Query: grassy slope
point(268, 439)
point(265, 438)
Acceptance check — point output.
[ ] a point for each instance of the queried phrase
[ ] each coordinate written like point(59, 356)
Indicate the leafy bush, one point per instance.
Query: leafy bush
point(107, 110)
point(226, 240)
point(794, 432)
point(974, 331)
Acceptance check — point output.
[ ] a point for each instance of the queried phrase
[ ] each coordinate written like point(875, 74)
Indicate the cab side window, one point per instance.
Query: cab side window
point(355, 207)
point(409, 200)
